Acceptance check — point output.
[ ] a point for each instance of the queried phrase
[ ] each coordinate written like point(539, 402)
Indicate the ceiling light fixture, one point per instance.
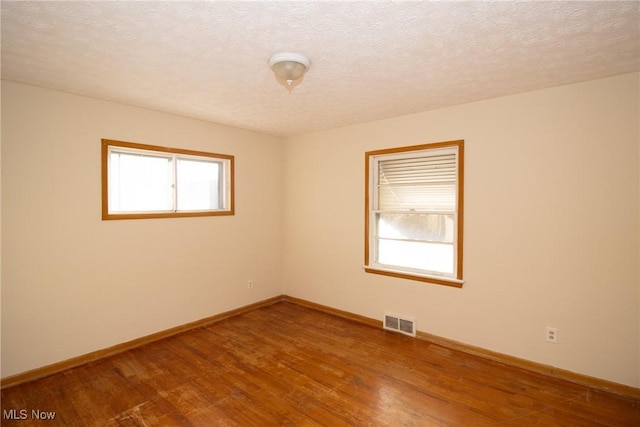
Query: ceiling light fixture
point(289, 67)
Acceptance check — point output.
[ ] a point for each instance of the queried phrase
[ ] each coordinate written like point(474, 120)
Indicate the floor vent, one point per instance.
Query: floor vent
point(396, 323)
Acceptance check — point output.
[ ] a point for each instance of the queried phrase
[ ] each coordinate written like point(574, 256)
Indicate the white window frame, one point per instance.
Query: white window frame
point(224, 161)
point(372, 160)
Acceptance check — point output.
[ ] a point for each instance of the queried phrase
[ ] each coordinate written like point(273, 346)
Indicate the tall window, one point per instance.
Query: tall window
point(147, 181)
point(413, 216)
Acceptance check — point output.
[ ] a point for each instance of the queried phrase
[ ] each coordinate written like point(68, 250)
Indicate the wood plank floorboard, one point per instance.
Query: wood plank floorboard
point(288, 365)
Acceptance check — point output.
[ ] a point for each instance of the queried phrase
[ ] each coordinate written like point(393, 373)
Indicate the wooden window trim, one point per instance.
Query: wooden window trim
point(106, 143)
point(454, 282)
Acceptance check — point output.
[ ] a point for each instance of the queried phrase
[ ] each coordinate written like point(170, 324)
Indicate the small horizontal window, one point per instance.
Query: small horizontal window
point(148, 181)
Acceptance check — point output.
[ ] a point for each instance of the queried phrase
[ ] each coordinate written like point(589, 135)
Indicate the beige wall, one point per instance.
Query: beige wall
point(551, 225)
point(552, 228)
point(72, 283)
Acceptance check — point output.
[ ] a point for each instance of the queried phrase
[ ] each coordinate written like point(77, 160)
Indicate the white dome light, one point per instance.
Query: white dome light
point(289, 67)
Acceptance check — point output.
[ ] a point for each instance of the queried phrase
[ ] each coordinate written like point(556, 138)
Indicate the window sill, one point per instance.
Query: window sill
point(438, 280)
point(179, 214)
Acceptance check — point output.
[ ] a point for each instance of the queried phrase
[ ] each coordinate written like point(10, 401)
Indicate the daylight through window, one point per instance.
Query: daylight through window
point(145, 181)
point(414, 212)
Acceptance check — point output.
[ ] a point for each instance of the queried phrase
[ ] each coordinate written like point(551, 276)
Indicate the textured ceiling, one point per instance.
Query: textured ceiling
point(369, 60)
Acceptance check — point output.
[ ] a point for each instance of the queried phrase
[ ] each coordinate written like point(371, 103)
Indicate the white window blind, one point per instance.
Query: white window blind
point(426, 183)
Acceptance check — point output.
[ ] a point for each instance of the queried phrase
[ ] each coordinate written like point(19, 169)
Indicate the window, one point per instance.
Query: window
point(413, 214)
point(147, 181)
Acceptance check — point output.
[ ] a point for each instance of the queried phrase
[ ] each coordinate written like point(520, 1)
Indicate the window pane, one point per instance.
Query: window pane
point(139, 183)
point(416, 226)
point(146, 181)
point(435, 257)
point(198, 185)
point(414, 212)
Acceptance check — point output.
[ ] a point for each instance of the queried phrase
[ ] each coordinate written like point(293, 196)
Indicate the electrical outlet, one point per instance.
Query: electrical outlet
point(552, 335)
point(250, 284)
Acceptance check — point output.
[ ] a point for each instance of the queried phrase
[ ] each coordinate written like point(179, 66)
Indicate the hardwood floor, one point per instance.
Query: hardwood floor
point(294, 366)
